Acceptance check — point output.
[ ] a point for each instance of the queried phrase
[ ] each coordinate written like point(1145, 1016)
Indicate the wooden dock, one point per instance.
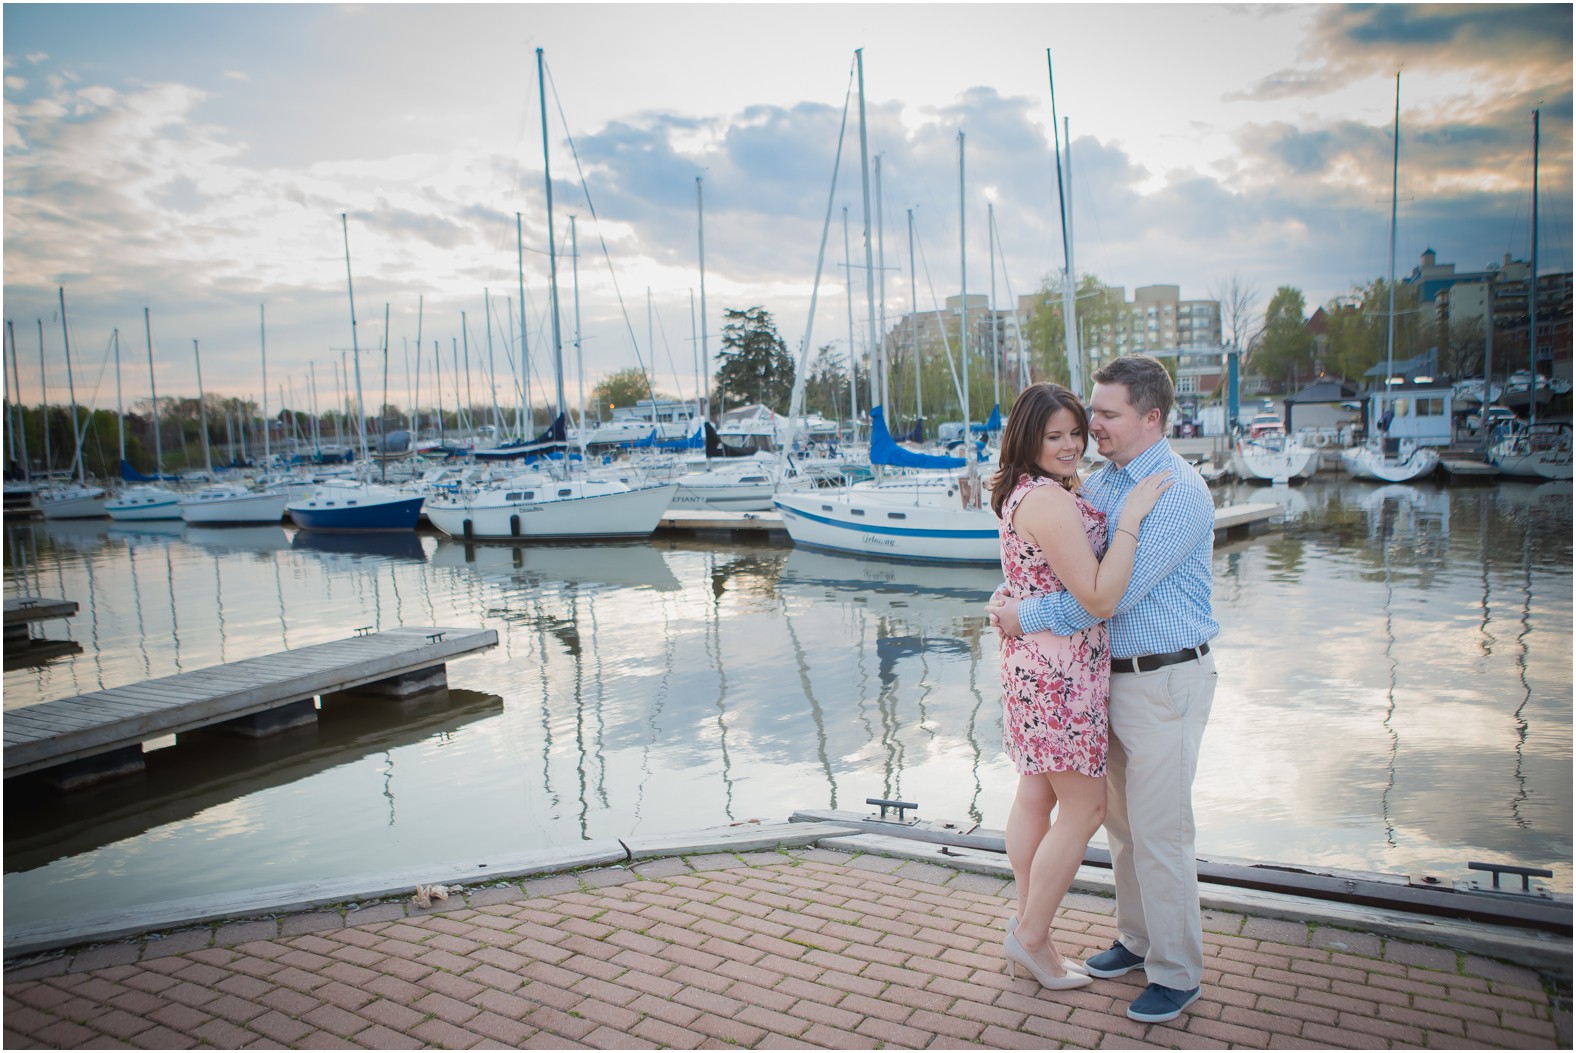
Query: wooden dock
point(1466, 470)
point(1229, 519)
point(24, 609)
point(99, 735)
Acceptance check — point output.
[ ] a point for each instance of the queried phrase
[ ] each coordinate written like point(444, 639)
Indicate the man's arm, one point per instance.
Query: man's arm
point(1183, 521)
point(1168, 535)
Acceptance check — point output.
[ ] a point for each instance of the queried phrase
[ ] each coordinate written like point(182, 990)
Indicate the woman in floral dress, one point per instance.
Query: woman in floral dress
point(1055, 689)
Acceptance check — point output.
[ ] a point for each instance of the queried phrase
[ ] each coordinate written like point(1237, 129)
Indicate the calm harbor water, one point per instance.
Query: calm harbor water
point(1395, 694)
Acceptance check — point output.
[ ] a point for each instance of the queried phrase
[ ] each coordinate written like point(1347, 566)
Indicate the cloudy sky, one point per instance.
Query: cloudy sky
point(195, 160)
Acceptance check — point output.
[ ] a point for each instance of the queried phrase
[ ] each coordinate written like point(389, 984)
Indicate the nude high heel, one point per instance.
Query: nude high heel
point(1072, 965)
point(1017, 955)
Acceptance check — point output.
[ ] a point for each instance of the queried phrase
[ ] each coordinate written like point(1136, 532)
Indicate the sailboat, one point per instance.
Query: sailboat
point(227, 504)
point(144, 501)
point(930, 515)
point(540, 506)
point(1268, 455)
point(1390, 460)
point(356, 505)
point(75, 500)
point(1541, 451)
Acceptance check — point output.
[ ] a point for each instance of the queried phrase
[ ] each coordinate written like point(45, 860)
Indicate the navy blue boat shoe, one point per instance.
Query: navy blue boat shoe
point(1160, 1003)
point(1115, 961)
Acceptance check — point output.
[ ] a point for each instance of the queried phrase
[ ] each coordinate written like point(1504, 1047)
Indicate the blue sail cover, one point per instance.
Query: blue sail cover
point(916, 434)
point(131, 475)
point(885, 450)
point(694, 442)
point(553, 439)
point(990, 426)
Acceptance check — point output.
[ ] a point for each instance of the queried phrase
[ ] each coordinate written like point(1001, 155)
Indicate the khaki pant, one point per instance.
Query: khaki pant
point(1157, 723)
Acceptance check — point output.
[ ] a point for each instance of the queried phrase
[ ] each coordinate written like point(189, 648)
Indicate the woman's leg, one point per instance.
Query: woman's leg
point(1081, 809)
point(1027, 824)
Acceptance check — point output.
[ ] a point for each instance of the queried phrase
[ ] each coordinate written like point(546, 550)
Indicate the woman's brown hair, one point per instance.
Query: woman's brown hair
point(1025, 434)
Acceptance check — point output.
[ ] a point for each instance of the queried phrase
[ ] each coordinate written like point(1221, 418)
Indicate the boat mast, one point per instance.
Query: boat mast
point(316, 440)
point(1532, 289)
point(913, 316)
point(1395, 189)
point(877, 382)
point(580, 366)
point(262, 340)
point(355, 348)
point(72, 389)
point(1075, 377)
point(153, 386)
point(879, 277)
point(525, 370)
point(202, 409)
point(120, 413)
point(705, 351)
point(415, 399)
point(18, 416)
point(552, 255)
point(963, 318)
point(492, 373)
point(43, 385)
point(853, 357)
point(995, 341)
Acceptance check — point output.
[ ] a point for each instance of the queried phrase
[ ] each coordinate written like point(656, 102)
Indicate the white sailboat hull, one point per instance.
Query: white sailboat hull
point(723, 497)
point(491, 515)
point(1540, 452)
point(1371, 462)
point(142, 504)
point(216, 506)
point(1256, 461)
point(872, 524)
point(72, 502)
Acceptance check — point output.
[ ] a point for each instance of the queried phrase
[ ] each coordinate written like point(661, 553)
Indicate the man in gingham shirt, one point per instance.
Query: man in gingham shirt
point(1162, 686)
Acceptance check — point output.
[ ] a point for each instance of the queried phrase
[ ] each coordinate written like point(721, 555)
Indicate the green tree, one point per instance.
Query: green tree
point(1359, 341)
point(826, 388)
point(1284, 351)
point(624, 388)
point(1101, 315)
point(755, 365)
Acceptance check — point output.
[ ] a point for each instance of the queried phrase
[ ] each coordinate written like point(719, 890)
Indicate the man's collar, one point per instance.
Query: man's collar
point(1148, 462)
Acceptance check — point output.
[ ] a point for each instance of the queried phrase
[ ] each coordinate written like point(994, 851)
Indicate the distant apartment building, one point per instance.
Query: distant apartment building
point(1155, 322)
point(1499, 292)
point(991, 332)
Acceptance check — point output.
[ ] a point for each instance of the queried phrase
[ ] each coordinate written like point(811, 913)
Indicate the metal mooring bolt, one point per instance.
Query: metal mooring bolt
point(899, 806)
point(363, 630)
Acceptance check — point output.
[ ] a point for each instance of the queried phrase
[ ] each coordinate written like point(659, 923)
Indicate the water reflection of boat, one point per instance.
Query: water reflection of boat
point(133, 529)
point(962, 582)
point(627, 565)
point(403, 545)
point(239, 538)
point(79, 534)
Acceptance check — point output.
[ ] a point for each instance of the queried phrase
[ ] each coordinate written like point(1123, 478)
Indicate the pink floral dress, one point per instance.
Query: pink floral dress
point(1055, 689)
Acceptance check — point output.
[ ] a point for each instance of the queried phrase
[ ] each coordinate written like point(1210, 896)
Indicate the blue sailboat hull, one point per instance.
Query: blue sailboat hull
point(386, 515)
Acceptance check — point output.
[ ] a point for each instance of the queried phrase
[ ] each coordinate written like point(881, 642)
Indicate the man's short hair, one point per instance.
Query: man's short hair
point(1147, 382)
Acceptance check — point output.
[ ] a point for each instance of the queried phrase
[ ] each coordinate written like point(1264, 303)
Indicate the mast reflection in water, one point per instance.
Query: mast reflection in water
point(1395, 695)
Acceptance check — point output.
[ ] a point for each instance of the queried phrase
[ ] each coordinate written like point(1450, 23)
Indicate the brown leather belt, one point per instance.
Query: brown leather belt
point(1147, 663)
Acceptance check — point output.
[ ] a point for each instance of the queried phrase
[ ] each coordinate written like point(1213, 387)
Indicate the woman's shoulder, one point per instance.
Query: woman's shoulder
point(1047, 494)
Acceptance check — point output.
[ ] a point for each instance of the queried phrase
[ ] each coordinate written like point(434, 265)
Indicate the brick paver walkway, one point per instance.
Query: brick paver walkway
point(800, 949)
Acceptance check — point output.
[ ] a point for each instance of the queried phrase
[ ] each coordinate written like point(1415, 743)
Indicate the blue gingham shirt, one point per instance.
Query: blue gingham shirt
point(1167, 603)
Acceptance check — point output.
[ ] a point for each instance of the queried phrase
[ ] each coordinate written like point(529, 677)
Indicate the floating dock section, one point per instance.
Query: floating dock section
point(87, 738)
